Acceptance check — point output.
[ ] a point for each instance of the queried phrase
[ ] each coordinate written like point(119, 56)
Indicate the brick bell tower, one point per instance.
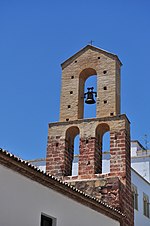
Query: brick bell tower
point(113, 188)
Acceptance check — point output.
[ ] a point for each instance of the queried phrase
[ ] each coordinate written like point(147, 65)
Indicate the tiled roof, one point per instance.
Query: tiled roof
point(25, 168)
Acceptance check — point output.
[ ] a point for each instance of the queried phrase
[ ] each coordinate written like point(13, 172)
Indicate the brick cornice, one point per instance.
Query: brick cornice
point(104, 119)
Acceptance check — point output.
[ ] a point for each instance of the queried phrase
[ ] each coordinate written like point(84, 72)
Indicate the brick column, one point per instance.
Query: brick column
point(120, 166)
point(55, 156)
point(89, 158)
point(120, 155)
point(59, 157)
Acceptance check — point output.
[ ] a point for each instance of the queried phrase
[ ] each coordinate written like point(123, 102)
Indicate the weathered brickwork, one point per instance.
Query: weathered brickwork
point(90, 156)
point(61, 139)
point(106, 189)
point(113, 188)
point(110, 190)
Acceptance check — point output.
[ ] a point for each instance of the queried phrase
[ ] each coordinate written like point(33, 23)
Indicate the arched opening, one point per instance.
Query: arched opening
point(87, 79)
point(106, 152)
point(72, 150)
point(90, 109)
point(103, 145)
point(76, 155)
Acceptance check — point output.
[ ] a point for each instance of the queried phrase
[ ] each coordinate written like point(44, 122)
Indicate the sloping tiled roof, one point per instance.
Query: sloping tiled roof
point(26, 169)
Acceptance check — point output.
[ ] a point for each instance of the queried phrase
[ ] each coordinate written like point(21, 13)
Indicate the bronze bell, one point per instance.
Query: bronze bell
point(90, 98)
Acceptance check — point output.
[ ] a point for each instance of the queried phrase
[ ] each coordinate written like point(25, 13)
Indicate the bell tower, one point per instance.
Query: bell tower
point(87, 62)
point(114, 187)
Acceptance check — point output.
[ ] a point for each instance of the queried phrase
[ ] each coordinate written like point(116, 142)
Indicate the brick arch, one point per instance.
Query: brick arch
point(101, 129)
point(72, 131)
point(70, 135)
point(83, 76)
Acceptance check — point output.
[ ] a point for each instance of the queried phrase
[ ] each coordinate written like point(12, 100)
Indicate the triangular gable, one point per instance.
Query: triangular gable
point(83, 50)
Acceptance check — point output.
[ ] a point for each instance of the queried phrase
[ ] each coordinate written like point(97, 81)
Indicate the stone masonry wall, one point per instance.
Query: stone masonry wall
point(106, 189)
point(91, 62)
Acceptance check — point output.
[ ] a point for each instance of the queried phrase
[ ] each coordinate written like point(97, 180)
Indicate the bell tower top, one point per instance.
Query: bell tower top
point(87, 62)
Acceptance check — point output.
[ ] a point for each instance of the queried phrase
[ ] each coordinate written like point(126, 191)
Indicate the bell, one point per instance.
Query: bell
point(90, 98)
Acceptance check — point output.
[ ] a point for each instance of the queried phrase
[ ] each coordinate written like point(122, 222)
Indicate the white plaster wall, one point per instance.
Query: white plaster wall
point(133, 151)
point(142, 166)
point(142, 186)
point(106, 166)
point(22, 201)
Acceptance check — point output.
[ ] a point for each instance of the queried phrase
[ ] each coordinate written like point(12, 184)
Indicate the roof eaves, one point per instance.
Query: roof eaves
point(139, 175)
point(28, 170)
point(136, 141)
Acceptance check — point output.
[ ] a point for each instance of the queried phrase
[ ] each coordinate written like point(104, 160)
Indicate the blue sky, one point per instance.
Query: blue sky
point(37, 36)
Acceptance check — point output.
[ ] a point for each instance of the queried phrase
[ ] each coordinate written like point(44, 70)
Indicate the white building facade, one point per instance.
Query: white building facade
point(140, 177)
point(31, 198)
point(141, 188)
point(26, 201)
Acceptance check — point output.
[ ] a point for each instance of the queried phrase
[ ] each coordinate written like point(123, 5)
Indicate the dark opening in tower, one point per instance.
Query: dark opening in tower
point(72, 150)
point(87, 79)
point(103, 146)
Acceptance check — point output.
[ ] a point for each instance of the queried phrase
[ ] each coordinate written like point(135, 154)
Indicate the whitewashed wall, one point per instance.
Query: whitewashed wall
point(142, 166)
point(142, 186)
point(22, 201)
point(140, 158)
